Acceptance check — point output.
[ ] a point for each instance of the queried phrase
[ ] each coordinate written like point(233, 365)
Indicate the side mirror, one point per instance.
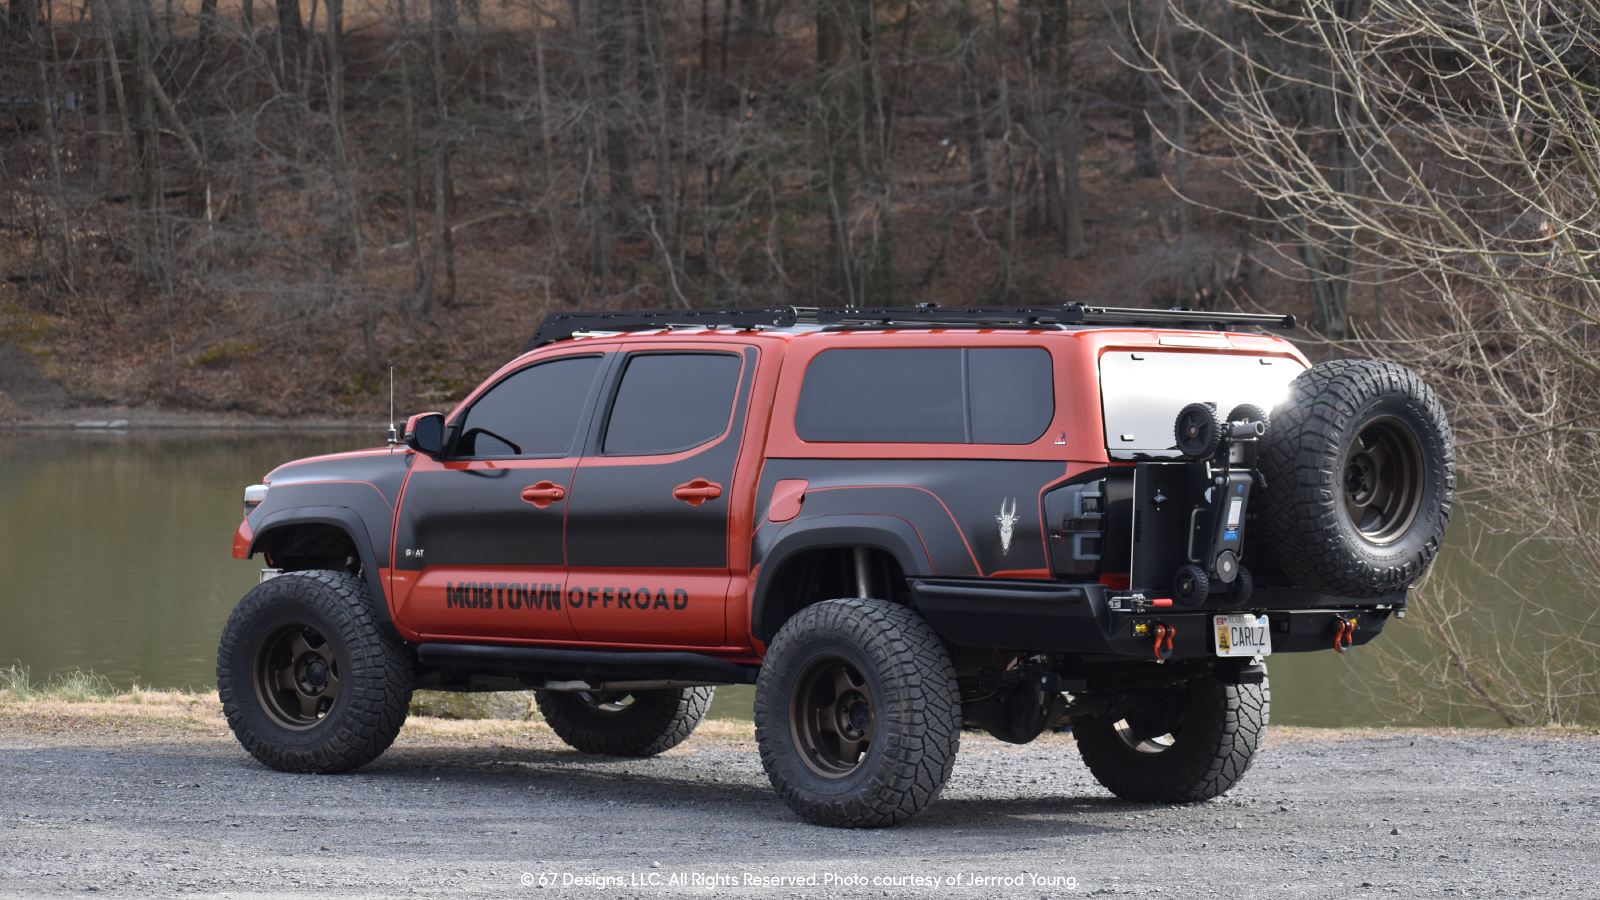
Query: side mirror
point(425, 433)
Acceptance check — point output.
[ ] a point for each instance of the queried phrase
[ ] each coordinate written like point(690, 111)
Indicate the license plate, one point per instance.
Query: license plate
point(1242, 636)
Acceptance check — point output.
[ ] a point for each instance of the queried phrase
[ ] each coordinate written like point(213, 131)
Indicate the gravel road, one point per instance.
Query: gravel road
point(91, 804)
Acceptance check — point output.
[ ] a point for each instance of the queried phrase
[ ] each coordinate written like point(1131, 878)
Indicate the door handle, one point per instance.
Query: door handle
point(697, 491)
point(544, 493)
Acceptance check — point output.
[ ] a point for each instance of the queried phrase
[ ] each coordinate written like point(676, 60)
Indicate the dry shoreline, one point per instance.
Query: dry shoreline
point(178, 717)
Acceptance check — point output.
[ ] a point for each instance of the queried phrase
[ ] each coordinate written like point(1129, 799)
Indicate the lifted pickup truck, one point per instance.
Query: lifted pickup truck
point(895, 523)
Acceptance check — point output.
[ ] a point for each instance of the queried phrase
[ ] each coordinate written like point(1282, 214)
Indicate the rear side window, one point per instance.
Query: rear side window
point(669, 402)
point(927, 396)
point(532, 412)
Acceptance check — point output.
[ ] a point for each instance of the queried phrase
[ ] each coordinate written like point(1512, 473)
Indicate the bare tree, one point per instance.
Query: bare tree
point(1453, 153)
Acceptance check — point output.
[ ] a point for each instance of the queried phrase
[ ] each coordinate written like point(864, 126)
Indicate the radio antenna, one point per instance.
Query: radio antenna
point(392, 438)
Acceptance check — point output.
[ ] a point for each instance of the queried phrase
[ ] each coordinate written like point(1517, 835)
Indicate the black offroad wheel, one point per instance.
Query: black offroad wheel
point(309, 681)
point(1361, 478)
point(1177, 745)
point(858, 716)
point(623, 723)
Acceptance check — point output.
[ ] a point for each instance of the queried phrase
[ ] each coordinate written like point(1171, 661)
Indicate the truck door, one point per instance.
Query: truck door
point(478, 537)
point(647, 523)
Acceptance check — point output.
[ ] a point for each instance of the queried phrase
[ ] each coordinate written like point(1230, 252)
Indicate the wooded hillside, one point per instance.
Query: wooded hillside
point(264, 206)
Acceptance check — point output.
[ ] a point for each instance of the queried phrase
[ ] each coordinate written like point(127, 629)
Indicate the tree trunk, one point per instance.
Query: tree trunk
point(972, 107)
point(102, 122)
point(346, 245)
point(249, 213)
point(444, 21)
point(102, 14)
point(612, 39)
point(148, 227)
point(42, 38)
point(198, 205)
point(1004, 279)
point(421, 281)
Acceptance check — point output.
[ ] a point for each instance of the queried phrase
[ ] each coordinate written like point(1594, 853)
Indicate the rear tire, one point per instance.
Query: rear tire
point(1183, 744)
point(1361, 478)
point(606, 724)
point(858, 716)
point(308, 679)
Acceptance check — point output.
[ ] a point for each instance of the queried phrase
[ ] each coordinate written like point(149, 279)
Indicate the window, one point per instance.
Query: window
point(927, 396)
point(1012, 394)
point(531, 412)
point(669, 402)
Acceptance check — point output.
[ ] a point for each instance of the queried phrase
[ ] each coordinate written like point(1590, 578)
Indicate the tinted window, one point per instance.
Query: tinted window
point(672, 401)
point(909, 396)
point(931, 396)
point(532, 412)
point(1011, 393)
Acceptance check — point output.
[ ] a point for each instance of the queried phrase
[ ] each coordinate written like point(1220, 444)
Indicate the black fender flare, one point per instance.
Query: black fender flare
point(347, 520)
point(890, 534)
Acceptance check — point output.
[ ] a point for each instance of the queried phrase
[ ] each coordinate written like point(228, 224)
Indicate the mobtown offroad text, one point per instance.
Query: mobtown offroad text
point(714, 879)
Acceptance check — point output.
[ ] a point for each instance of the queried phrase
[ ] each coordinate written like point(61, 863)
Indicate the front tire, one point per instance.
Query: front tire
point(858, 716)
point(619, 723)
point(309, 681)
point(1177, 745)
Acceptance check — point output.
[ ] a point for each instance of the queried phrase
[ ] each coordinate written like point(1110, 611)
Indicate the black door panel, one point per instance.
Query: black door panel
point(622, 512)
point(492, 525)
point(657, 525)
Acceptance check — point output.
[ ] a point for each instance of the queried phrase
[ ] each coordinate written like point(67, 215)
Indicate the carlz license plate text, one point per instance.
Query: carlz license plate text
point(1242, 636)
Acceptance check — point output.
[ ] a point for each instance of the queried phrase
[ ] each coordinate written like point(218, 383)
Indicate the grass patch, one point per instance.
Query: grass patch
point(76, 686)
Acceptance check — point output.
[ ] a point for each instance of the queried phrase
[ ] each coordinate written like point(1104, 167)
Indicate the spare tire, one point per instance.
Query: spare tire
point(1361, 476)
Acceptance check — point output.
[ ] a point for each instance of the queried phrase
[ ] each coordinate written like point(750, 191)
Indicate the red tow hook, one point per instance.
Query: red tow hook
point(1163, 646)
point(1345, 636)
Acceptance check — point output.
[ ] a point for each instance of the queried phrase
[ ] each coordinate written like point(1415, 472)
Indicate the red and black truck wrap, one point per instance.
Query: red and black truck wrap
point(1093, 513)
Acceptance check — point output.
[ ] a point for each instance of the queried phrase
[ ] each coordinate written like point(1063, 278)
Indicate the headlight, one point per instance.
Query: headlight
point(253, 495)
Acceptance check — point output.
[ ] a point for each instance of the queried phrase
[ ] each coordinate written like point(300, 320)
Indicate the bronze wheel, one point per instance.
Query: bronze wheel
point(1179, 744)
point(624, 723)
point(1153, 726)
point(831, 716)
point(309, 680)
point(613, 702)
point(1383, 480)
point(296, 676)
point(858, 714)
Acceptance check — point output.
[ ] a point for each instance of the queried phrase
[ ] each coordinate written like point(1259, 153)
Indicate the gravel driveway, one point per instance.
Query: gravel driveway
point(97, 803)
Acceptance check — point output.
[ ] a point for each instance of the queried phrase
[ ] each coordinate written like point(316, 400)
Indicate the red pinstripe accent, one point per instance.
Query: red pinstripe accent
point(346, 481)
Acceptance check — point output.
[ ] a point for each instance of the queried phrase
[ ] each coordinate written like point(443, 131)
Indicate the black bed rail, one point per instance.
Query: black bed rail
point(563, 325)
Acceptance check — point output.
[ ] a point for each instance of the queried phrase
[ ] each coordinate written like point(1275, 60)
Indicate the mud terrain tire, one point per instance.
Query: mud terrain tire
point(858, 715)
point(309, 681)
point(599, 723)
point(1361, 478)
point(1195, 748)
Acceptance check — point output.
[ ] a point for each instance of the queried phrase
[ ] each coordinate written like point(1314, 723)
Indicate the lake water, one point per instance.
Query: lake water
point(115, 557)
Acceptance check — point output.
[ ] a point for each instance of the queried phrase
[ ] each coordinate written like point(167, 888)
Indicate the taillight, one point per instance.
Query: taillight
point(1076, 517)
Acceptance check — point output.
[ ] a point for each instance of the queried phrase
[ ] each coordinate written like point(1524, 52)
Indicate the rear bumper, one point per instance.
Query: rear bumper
point(1078, 618)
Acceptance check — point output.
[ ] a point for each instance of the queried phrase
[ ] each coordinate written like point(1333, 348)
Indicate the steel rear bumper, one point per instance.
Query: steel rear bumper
point(1079, 618)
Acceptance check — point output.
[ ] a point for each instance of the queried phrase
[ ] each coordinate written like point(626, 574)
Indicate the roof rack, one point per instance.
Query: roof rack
point(562, 325)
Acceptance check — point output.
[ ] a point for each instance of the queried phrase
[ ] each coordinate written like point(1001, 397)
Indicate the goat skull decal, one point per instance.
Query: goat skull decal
point(1008, 521)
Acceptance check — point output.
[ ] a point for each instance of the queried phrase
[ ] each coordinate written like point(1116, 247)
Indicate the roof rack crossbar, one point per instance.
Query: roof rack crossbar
point(562, 325)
